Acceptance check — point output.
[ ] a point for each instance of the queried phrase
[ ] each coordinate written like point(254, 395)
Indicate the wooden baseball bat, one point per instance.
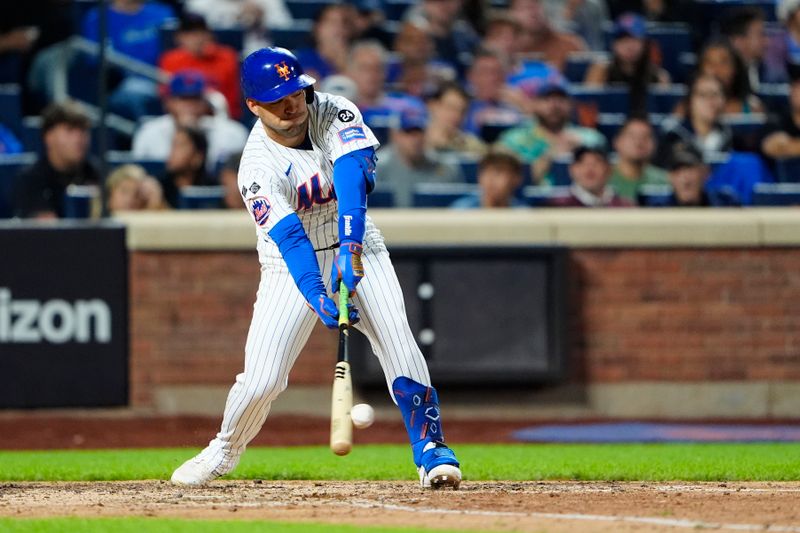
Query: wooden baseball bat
point(342, 401)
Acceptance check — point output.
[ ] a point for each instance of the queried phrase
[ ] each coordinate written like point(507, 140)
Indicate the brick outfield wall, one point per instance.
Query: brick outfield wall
point(635, 315)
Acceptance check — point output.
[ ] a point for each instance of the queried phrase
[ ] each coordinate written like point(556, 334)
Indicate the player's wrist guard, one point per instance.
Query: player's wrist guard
point(347, 266)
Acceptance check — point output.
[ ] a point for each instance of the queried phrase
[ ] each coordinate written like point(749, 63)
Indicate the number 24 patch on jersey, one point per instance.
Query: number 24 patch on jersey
point(260, 207)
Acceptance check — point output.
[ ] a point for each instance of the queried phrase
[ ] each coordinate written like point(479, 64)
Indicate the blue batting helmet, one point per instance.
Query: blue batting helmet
point(269, 74)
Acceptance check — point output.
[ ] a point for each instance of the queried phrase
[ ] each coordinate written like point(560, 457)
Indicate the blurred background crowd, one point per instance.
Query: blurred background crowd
point(477, 103)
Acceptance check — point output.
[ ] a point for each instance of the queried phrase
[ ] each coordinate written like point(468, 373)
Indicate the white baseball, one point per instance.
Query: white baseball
point(362, 415)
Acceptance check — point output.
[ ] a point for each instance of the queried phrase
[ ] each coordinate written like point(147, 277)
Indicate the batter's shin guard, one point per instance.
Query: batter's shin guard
point(420, 408)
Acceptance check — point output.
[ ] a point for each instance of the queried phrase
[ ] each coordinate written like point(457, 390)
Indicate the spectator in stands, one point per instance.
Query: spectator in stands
point(130, 188)
point(254, 17)
point(9, 144)
point(454, 40)
point(781, 137)
point(700, 124)
point(331, 36)
point(585, 17)
point(405, 162)
point(369, 20)
point(631, 63)
point(783, 49)
point(416, 71)
point(499, 177)
point(133, 31)
point(635, 146)
point(186, 104)
point(229, 179)
point(444, 135)
point(550, 135)
point(591, 173)
point(688, 175)
point(490, 105)
point(503, 37)
point(744, 28)
point(186, 164)
point(718, 58)
point(539, 37)
point(40, 189)
point(367, 68)
point(197, 50)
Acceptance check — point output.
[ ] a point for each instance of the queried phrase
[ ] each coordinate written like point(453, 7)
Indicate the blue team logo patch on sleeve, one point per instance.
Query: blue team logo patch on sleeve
point(260, 208)
point(353, 133)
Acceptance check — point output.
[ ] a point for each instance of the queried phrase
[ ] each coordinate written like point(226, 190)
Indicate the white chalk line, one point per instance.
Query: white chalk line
point(667, 522)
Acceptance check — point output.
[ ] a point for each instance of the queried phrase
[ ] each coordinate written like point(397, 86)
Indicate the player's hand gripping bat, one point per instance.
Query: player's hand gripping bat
point(342, 401)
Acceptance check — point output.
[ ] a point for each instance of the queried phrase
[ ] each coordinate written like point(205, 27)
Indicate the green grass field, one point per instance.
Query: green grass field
point(517, 462)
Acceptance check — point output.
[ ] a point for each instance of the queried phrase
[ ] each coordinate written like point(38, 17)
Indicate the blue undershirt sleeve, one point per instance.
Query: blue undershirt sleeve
point(299, 255)
point(353, 178)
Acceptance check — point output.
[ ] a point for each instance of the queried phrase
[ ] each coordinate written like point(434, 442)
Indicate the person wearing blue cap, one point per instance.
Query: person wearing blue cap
point(550, 135)
point(404, 163)
point(186, 100)
point(631, 62)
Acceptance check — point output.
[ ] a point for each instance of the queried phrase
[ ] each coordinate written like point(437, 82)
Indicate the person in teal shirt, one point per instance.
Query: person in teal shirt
point(635, 144)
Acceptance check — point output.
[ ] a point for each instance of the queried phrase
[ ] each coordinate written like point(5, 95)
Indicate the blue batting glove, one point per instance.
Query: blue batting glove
point(328, 311)
point(347, 267)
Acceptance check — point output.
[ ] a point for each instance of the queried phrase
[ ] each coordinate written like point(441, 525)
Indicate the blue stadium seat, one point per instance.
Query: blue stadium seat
point(469, 170)
point(491, 132)
point(541, 196)
point(299, 36)
point(153, 167)
point(11, 107)
point(609, 124)
point(603, 99)
point(654, 195)
point(380, 199)
point(579, 62)
point(788, 170)
point(440, 194)
point(233, 37)
point(664, 99)
point(775, 96)
point(200, 197)
point(395, 9)
point(674, 40)
point(560, 171)
point(306, 9)
point(82, 201)
point(10, 166)
point(776, 194)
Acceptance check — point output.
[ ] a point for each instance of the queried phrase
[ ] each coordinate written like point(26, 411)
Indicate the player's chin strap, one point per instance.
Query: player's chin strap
point(420, 408)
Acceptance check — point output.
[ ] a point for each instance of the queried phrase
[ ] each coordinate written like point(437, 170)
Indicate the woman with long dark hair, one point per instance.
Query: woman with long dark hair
point(631, 63)
point(719, 59)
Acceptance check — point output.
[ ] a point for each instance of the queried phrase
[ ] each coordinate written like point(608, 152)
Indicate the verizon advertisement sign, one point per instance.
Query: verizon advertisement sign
point(63, 316)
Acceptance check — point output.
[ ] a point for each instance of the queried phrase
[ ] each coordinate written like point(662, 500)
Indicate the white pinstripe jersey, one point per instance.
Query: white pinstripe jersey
point(275, 180)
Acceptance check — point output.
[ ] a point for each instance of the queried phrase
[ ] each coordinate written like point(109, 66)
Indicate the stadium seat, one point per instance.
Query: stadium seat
point(298, 36)
point(491, 132)
point(153, 167)
point(233, 37)
point(380, 199)
point(674, 41)
point(82, 201)
point(609, 124)
point(441, 194)
point(395, 9)
point(654, 195)
point(560, 171)
point(200, 197)
point(11, 107)
point(601, 99)
point(540, 196)
point(747, 129)
point(788, 170)
point(579, 62)
point(305, 9)
point(664, 99)
point(10, 166)
point(776, 194)
point(775, 96)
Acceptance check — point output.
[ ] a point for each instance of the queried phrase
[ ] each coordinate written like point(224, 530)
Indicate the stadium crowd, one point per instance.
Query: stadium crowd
point(477, 103)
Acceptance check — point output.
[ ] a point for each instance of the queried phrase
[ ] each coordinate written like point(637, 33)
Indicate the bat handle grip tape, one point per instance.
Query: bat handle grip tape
point(344, 315)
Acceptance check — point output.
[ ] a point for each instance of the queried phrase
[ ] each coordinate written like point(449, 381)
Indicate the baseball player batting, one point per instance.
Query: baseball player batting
point(305, 172)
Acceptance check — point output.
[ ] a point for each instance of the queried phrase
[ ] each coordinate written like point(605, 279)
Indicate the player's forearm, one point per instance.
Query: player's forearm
point(299, 255)
point(353, 176)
